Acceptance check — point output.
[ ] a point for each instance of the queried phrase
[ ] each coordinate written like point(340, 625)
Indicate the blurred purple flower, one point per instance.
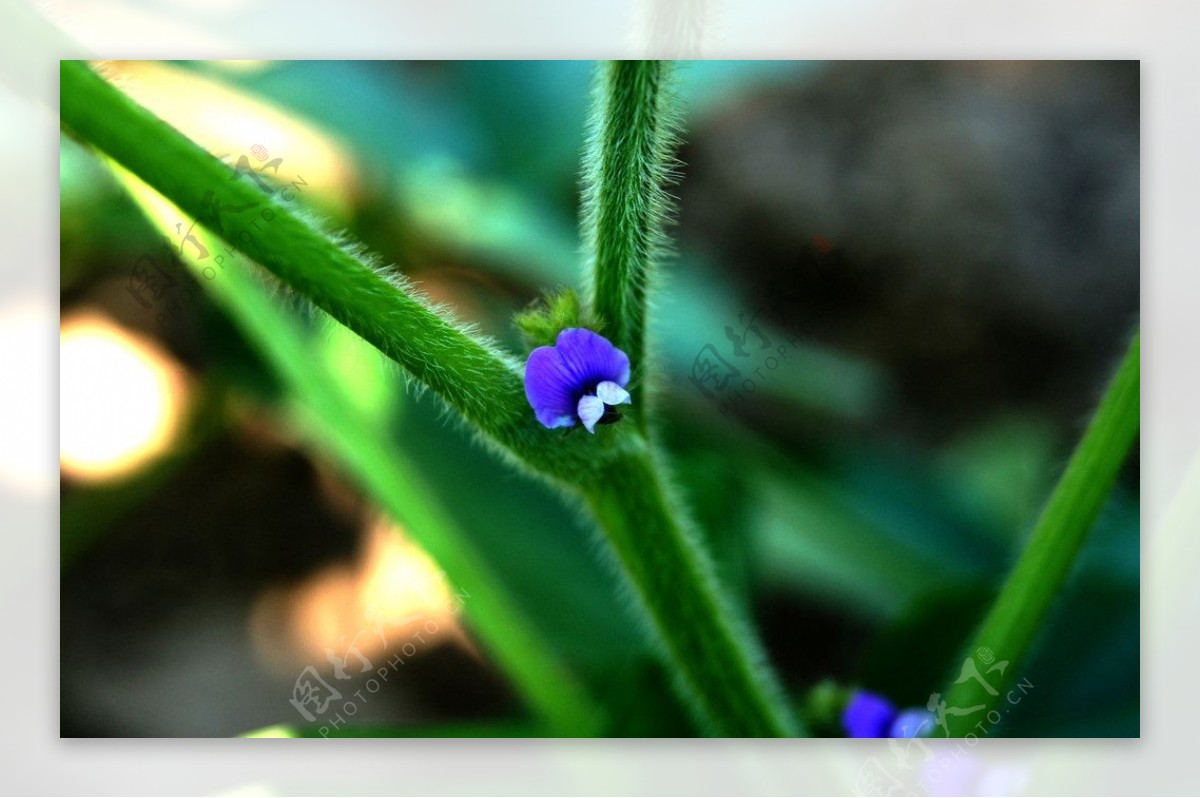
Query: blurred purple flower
point(912, 722)
point(868, 715)
point(581, 378)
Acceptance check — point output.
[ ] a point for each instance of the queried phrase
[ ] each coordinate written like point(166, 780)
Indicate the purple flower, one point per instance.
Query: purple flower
point(912, 722)
point(872, 715)
point(581, 378)
point(868, 715)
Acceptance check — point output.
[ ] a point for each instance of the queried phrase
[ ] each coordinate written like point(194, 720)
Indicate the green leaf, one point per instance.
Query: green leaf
point(541, 323)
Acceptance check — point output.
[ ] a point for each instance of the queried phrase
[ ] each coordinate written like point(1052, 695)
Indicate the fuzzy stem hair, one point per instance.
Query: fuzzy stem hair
point(463, 368)
point(720, 666)
point(626, 167)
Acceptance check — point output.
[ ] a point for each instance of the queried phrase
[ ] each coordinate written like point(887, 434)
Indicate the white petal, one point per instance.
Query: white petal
point(612, 394)
point(590, 410)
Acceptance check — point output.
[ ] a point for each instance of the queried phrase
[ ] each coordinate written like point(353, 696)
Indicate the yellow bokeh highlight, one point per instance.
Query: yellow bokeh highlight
point(122, 399)
point(392, 592)
point(231, 124)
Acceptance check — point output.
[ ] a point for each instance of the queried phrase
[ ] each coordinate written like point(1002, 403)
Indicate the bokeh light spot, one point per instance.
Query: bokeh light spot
point(121, 399)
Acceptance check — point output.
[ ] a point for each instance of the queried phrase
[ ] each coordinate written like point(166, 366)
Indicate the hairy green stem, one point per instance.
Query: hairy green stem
point(463, 368)
point(719, 666)
point(1011, 626)
point(360, 442)
point(719, 661)
point(627, 164)
point(710, 653)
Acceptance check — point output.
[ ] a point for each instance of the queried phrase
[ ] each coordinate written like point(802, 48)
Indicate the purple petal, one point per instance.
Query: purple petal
point(591, 358)
point(612, 394)
point(868, 715)
point(914, 722)
point(578, 365)
point(550, 388)
point(590, 408)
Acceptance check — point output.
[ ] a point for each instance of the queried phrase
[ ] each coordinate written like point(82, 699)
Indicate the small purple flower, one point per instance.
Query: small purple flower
point(868, 715)
point(581, 378)
point(912, 722)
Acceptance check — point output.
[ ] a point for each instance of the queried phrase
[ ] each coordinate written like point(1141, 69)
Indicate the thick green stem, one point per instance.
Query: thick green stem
point(627, 165)
point(462, 368)
point(719, 665)
point(721, 668)
point(1012, 625)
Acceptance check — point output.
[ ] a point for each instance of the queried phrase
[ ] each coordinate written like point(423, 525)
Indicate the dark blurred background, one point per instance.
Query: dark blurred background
point(911, 281)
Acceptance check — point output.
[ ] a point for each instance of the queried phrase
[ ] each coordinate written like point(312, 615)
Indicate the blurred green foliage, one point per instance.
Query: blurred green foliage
point(887, 548)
